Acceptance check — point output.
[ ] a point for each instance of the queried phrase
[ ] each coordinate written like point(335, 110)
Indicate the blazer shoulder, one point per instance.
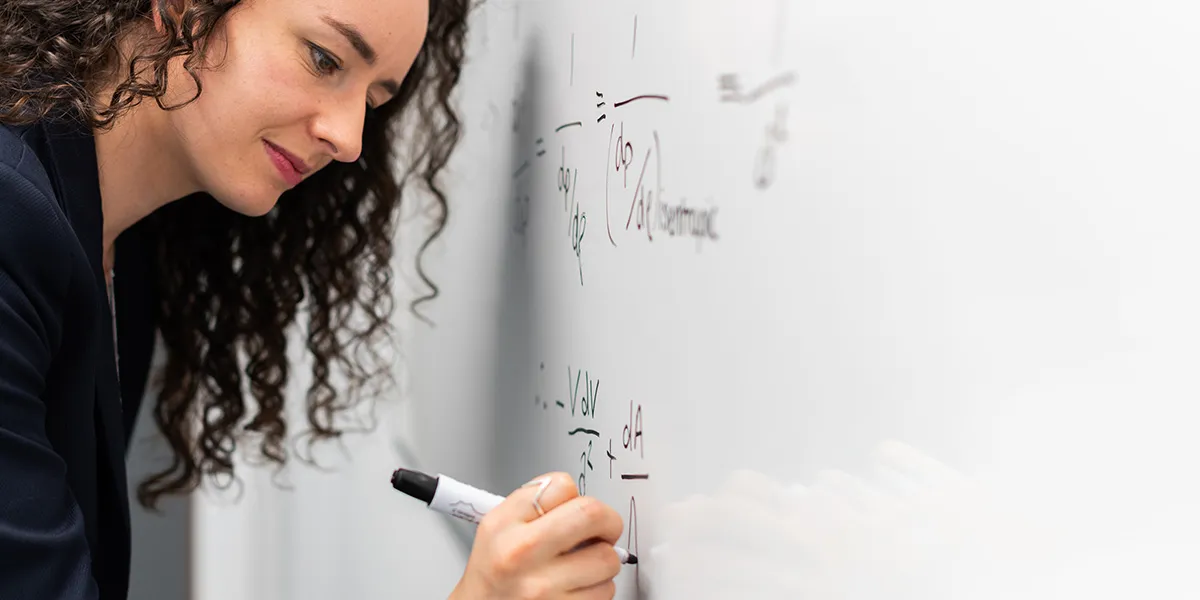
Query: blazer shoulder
point(27, 198)
point(17, 151)
point(35, 235)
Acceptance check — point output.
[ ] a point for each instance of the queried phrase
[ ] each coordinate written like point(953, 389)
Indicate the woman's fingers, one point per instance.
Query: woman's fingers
point(576, 521)
point(550, 490)
point(587, 567)
point(600, 591)
point(521, 551)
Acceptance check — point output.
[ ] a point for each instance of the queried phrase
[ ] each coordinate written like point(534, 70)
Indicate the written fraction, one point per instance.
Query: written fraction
point(625, 200)
point(616, 456)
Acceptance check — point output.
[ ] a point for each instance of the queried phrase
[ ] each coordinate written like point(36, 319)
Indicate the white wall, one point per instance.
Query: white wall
point(160, 560)
point(340, 531)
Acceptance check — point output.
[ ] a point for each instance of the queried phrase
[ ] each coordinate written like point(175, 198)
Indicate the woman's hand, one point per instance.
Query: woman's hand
point(519, 554)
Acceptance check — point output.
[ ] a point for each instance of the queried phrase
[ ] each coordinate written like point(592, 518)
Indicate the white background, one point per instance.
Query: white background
point(949, 351)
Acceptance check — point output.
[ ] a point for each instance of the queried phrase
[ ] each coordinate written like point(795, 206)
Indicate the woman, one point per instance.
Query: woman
point(202, 169)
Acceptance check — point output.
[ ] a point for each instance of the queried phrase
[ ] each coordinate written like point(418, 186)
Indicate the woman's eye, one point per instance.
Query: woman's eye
point(324, 63)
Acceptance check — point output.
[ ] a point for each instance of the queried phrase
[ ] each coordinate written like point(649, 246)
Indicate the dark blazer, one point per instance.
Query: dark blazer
point(64, 510)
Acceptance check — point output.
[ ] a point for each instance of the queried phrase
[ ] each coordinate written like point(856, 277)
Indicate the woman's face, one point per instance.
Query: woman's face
point(292, 75)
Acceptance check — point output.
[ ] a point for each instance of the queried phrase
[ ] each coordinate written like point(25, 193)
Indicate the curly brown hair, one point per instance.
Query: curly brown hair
point(230, 291)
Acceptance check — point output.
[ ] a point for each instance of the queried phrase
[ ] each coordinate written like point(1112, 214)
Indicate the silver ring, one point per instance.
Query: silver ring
point(542, 484)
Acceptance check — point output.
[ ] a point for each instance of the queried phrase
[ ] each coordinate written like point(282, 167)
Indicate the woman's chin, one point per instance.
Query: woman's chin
point(255, 206)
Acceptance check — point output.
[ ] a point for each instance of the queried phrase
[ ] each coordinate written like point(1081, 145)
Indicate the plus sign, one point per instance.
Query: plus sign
point(611, 458)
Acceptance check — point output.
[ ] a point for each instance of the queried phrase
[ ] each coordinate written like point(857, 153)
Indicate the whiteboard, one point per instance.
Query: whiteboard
point(852, 299)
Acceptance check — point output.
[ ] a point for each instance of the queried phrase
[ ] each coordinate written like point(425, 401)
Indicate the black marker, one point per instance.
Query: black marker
point(457, 499)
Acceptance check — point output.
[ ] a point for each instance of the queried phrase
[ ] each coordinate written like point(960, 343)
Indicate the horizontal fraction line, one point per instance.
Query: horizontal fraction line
point(642, 97)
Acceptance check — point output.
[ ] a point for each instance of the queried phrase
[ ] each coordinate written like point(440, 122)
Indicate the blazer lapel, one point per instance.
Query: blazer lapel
point(77, 183)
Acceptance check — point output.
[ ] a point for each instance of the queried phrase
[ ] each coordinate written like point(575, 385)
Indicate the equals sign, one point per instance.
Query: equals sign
point(541, 150)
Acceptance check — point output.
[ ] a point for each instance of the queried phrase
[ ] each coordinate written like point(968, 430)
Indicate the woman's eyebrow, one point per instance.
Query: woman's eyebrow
point(360, 45)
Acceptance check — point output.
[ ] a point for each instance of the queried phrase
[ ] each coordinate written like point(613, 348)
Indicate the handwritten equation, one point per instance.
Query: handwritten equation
point(731, 89)
point(635, 203)
point(621, 451)
point(649, 212)
point(615, 152)
point(775, 132)
point(627, 200)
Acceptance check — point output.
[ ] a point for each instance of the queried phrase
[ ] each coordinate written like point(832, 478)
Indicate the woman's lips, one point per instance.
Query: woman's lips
point(283, 164)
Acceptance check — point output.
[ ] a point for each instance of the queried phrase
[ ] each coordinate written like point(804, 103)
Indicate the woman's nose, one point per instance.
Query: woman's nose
point(340, 126)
